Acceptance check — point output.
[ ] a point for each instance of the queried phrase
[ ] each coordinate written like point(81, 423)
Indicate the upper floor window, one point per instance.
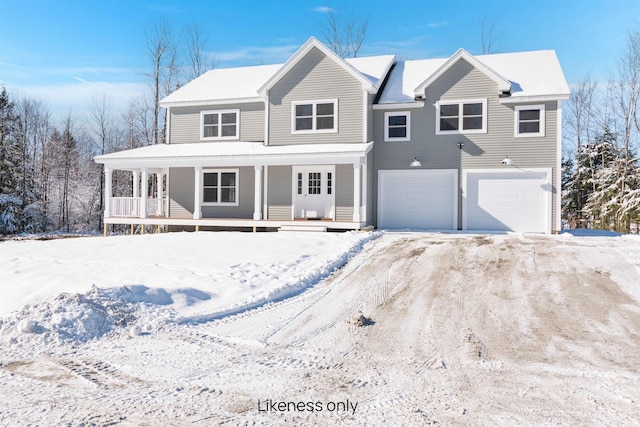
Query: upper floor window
point(529, 120)
point(315, 116)
point(220, 124)
point(220, 187)
point(397, 126)
point(469, 116)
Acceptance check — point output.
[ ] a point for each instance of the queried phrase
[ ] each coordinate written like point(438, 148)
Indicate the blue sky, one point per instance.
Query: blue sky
point(68, 52)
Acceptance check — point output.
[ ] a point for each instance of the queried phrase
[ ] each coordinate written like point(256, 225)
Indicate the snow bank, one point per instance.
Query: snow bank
point(81, 289)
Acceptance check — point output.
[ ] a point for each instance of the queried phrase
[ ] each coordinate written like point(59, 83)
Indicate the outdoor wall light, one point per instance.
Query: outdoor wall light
point(415, 163)
point(507, 161)
point(460, 145)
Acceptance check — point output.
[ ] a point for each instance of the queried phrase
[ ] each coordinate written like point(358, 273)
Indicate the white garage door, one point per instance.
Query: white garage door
point(419, 199)
point(507, 201)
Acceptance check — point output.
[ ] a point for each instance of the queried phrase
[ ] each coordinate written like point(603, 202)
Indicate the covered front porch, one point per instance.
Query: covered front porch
point(241, 185)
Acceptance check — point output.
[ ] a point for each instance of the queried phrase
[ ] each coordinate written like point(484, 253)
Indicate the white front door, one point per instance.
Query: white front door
point(313, 191)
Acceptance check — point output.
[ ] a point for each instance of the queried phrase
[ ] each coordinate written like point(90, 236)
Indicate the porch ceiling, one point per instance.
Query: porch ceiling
point(214, 154)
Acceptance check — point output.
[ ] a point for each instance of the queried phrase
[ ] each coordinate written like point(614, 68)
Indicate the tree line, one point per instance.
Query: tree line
point(600, 166)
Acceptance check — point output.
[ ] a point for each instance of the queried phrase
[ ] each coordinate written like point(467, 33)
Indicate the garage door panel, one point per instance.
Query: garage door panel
point(510, 201)
point(423, 199)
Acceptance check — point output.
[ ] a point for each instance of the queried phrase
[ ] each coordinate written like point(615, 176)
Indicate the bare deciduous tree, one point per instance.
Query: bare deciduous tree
point(195, 41)
point(163, 55)
point(488, 36)
point(344, 33)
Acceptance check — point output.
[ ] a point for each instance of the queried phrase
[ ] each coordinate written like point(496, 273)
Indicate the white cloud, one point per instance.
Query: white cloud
point(322, 9)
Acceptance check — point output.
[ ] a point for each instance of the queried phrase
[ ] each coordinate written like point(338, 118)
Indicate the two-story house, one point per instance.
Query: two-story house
point(320, 142)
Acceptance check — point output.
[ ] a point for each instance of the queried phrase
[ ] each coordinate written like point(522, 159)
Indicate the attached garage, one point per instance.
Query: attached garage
point(507, 200)
point(418, 199)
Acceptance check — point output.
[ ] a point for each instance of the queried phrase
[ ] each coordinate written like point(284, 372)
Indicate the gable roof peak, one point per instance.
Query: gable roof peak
point(504, 85)
point(311, 43)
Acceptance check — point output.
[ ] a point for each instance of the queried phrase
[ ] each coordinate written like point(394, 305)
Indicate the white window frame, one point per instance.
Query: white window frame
point(219, 113)
point(517, 110)
point(388, 114)
point(314, 116)
point(460, 104)
point(219, 172)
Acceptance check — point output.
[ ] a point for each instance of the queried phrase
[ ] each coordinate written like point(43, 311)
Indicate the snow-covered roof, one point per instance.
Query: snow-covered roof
point(532, 75)
point(245, 84)
point(233, 154)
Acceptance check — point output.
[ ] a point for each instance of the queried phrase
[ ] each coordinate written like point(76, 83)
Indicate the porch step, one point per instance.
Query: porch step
point(303, 227)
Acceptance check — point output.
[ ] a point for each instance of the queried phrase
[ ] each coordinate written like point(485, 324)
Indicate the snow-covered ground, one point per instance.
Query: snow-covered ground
point(304, 328)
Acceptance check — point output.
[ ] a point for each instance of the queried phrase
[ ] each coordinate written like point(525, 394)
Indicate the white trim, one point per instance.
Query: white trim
point(220, 113)
point(504, 85)
point(388, 114)
point(257, 193)
point(265, 193)
point(548, 199)
point(365, 115)
point(220, 171)
point(266, 121)
point(357, 191)
point(202, 103)
point(542, 121)
point(144, 192)
point(168, 126)
point(107, 193)
point(197, 192)
point(314, 116)
point(426, 172)
point(365, 190)
point(558, 198)
point(533, 98)
point(398, 106)
point(461, 102)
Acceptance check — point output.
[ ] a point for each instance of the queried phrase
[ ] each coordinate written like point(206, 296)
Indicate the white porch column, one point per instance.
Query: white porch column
point(365, 190)
point(107, 192)
point(145, 190)
point(356, 191)
point(257, 202)
point(160, 176)
point(136, 184)
point(197, 191)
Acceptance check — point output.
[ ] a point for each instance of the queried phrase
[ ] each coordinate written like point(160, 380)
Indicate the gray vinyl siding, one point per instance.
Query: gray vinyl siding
point(245, 195)
point(316, 77)
point(279, 193)
point(185, 122)
point(181, 183)
point(344, 192)
point(181, 196)
point(480, 151)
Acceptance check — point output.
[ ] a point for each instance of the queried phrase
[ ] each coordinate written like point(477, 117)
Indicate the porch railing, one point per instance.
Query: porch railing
point(130, 206)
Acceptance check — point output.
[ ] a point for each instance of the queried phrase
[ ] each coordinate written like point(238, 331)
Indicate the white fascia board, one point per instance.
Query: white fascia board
point(273, 159)
point(534, 98)
point(398, 106)
point(300, 53)
point(212, 102)
point(504, 85)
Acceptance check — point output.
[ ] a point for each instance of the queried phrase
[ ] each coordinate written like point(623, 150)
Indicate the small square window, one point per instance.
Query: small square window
point(529, 120)
point(397, 126)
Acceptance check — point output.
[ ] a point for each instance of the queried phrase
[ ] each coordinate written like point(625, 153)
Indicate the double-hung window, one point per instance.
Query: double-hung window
point(397, 126)
point(314, 116)
point(220, 187)
point(529, 120)
point(469, 116)
point(220, 124)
